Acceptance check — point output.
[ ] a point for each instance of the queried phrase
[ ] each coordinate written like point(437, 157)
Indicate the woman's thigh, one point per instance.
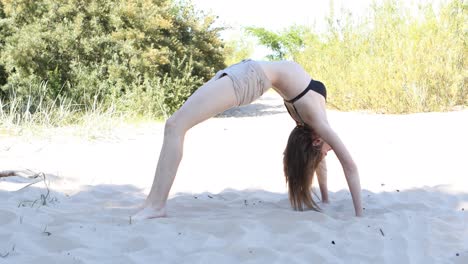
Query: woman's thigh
point(210, 99)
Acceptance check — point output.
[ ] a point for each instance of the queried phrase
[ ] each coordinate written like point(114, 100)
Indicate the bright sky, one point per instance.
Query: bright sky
point(277, 15)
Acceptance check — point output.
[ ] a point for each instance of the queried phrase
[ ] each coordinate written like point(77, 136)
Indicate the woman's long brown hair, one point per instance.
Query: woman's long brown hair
point(300, 161)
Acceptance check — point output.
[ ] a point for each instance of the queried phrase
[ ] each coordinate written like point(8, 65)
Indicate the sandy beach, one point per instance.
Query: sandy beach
point(229, 201)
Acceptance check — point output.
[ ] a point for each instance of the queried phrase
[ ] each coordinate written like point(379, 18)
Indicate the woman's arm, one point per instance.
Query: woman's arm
point(322, 180)
point(349, 167)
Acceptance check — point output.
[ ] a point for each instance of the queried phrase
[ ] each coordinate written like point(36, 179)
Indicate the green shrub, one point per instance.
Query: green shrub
point(392, 61)
point(106, 51)
point(3, 34)
point(162, 96)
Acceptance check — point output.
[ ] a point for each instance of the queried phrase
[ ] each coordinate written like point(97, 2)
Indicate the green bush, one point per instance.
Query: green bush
point(106, 52)
point(3, 34)
point(391, 61)
point(162, 96)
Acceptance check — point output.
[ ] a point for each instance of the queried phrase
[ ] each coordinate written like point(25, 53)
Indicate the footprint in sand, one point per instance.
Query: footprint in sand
point(6, 217)
point(58, 243)
point(134, 244)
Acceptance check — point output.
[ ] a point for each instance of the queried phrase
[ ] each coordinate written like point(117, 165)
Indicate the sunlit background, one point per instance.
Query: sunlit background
point(139, 59)
point(278, 15)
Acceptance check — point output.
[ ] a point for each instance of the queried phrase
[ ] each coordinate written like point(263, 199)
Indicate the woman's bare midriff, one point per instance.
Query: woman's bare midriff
point(288, 78)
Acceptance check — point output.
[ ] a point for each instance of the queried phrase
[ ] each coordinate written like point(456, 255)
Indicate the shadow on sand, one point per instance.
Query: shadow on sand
point(407, 222)
point(266, 105)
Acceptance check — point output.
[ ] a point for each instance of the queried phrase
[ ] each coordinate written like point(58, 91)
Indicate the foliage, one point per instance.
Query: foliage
point(238, 47)
point(3, 34)
point(283, 43)
point(162, 96)
point(393, 61)
point(106, 51)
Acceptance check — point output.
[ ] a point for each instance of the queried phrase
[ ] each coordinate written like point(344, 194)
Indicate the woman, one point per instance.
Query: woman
point(241, 84)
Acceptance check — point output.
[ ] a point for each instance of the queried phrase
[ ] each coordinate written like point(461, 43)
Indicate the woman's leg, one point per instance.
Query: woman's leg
point(212, 98)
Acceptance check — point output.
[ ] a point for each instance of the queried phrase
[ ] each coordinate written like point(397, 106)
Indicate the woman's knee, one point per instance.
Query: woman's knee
point(174, 126)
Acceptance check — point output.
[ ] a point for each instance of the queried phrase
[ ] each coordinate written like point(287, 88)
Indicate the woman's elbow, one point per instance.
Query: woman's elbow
point(350, 168)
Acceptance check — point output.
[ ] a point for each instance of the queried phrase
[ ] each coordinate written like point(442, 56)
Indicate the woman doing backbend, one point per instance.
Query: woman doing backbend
point(308, 143)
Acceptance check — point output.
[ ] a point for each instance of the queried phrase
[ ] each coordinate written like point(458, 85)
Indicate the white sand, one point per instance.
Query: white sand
point(229, 202)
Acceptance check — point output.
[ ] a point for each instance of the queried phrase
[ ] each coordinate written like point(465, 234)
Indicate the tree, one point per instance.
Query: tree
point(3, 35)
point(284, 44)
point(104, 49)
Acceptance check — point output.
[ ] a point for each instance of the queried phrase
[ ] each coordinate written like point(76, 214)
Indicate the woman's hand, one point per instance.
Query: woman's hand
point(349, 167)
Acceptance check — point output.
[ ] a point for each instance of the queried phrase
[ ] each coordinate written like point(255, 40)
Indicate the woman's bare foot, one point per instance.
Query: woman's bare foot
point(149, 213)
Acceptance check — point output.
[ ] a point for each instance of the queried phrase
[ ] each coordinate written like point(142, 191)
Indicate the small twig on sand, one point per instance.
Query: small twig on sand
point(45, 232)
point(381, 232)
point(21, 173)
point(44, 199)
point(7, 174)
